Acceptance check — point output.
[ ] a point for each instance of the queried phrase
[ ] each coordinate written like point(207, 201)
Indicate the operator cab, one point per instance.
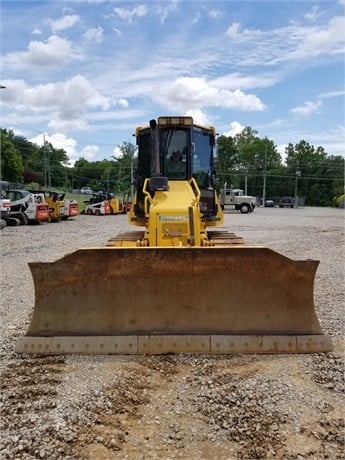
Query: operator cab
point(174, 148)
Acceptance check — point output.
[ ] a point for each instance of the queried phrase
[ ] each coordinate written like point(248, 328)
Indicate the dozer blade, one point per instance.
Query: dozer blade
point(113, 300)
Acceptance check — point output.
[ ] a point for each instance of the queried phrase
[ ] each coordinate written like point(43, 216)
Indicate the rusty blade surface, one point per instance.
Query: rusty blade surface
point(174, 291)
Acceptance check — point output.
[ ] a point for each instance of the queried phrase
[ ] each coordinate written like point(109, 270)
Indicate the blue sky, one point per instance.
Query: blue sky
point(85, 73)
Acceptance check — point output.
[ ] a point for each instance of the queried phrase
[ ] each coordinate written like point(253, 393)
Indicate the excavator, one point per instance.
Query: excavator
point(175, 284)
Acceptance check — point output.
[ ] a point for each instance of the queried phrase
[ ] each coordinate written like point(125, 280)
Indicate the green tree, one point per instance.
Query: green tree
point(336, 172)
point(319, 177)
point(12, 167)
point(126, 164)
point(85, 173)
point(226, 161)
point(246, 159)
point(53, 161)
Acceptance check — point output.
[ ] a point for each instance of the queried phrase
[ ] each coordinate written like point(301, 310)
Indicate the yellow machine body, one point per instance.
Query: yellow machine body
point(116, 205)
point(175, 286)
point(56, 204)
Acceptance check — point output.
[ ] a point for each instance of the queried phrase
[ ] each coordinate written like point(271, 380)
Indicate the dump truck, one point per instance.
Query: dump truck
point(177, 283)
point(236, 199)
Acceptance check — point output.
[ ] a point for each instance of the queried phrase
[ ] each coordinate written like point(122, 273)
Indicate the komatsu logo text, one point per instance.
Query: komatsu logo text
point(173, 218)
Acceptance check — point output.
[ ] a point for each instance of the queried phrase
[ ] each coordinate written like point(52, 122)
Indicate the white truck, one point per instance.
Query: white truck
point(237, 200)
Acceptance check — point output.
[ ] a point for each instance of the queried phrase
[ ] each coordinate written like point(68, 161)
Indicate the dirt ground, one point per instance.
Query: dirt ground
point(175, 406)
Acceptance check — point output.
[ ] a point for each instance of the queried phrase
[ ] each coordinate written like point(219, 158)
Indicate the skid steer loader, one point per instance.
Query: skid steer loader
point(177, 285)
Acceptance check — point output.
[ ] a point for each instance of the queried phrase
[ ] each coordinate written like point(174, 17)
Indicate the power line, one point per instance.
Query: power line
point(283, 176)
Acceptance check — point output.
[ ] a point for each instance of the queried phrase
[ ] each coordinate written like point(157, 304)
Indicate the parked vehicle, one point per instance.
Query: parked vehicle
point(237, 200)
point(86, 191)
point(286, 202)
point(127, 206)
point(5, 207)
point(55, 203)
point(71, 208)
point(269, 204)
point(98, 205)
point(28, 207)
point(5, 211)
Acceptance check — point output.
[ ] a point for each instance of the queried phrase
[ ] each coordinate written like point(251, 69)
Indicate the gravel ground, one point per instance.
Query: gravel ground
point(174, 406)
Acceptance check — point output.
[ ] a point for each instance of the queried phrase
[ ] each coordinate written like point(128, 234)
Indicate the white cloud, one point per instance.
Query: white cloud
point(64, 104)
point(238, 80)
point(313, 14)
point(196, 18)
point(117, 153)
point(199, 117)
point(64, 22)
point(188, 93)
point(332, 140)
point(331, 94)
point(54, 51)
point(94, 35)
point(294, 42)
point(308, 108)
point(36, 31)
point(235, 128)
point(89, 152)
point(236, 33)
point(118, 32)
point(64, 124)
point(215, 13)
point(123, 103)
point(308, 42)
point(60, 141)
point(72, 98)
point(166, 10)
point(128, 14)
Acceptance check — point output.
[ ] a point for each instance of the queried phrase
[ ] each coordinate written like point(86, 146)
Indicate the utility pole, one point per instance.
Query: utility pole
point(119, 184)
point(132, 178)
point(49, 175)
point(107, 180)
point(298, 174)
point(45, 161)
point(264, 184)
point(246, 181)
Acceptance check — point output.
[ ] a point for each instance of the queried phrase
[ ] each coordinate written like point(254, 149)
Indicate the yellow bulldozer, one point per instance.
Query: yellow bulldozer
point(177, 284)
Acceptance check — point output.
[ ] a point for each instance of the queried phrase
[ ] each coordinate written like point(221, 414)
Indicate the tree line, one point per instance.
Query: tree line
point(254, 164)
point(244, 161)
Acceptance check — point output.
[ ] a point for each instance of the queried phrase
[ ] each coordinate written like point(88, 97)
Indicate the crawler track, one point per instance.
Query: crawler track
point(126, 236)
point(223, 238)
